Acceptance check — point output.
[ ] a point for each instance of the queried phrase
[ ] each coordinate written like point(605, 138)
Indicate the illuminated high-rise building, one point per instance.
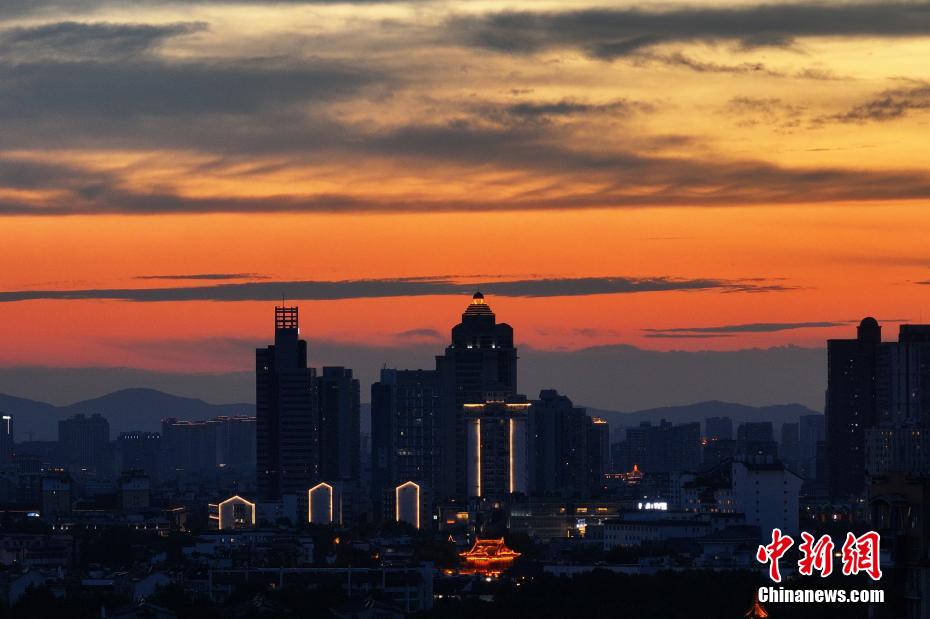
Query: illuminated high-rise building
point(479, 365)
point(287, 432)
point(496, 448)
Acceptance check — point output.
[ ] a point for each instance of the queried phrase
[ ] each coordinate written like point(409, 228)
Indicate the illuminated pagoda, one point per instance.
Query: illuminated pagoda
point(488, 557)
point(756, 612)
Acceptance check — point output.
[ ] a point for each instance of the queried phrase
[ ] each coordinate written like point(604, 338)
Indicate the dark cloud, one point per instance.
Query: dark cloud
point(608, 34)
point(72, 41)
point(537, 110)
point(686, 336)
point(10, 8)
point(204, 276)
point(429, 334)
point(757, 327)
point(888, 105)
point(126, 88)
point(402, 287)
point(611, 178)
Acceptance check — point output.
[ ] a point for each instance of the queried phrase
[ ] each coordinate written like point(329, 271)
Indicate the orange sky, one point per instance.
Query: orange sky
point(488, 143)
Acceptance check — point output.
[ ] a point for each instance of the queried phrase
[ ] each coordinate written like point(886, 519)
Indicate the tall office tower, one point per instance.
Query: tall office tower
point(718, 428)
point(598, 453)
point(852, 367)
point(496, 448)
point(339, 422)
point(479, 364)
point(811, 430)
point(85, 442)
point(287, 447)
point(6, 438)
point(405, 440)
point(789, 450)
point(557, 435)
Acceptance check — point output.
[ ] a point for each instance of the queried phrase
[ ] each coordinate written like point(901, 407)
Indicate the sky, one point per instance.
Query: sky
point(695, 181)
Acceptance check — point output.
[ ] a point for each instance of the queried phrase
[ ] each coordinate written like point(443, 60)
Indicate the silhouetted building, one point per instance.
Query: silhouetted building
point(558, 446)
point(716, 451)
point(6, 438)
point(718, 428)
point(755, 431)
point(662, 448)
point(56, 493)
point(339, 426)
point(597, 453)
point(235, 440)
point(135, 490)
point(852, 367)
point(811, 430)
point(899, 441)
point(479, 364)
point(496, 448)
point(189, 446)
point(85, 442)
point(405, 432)
point(287, 434)
point(140, 451)
point(756, 439)
point(790, 446)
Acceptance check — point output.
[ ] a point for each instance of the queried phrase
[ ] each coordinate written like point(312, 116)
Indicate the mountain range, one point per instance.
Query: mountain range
point(126, 410)
point(143, 409)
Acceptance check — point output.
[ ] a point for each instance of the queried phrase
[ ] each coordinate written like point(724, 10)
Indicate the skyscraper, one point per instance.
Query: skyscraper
point(810, 432)
point(558, 446)
point(496, 449)
point(405, 431)
point(852, 367)
point(339, 426)
point(479, 365)
point(287, 434)
point(85, 442)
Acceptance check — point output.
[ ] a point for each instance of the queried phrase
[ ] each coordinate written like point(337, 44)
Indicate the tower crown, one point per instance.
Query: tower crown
point(478, 306)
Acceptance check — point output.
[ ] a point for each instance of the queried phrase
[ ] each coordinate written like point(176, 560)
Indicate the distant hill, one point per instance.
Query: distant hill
point(739, 413)
point(143, 409)
point(126, 410)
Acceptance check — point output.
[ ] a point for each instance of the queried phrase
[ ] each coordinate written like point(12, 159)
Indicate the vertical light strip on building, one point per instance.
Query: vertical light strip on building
point(510, 455)
point(478, 432)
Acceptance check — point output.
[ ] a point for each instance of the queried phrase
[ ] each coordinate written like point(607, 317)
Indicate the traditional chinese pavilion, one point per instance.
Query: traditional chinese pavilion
point(488, 557)
point(756, 612)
